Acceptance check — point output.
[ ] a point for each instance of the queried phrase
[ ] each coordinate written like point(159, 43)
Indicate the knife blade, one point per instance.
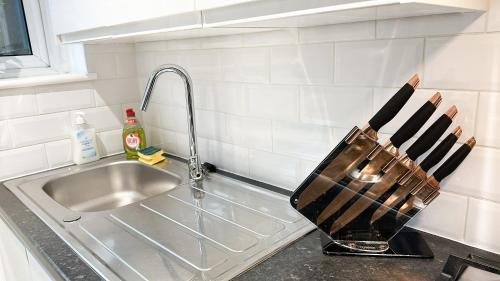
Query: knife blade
point(396, 170)
point(418, 176)
point(429, 190)
point(360, 144)
point(382, 155)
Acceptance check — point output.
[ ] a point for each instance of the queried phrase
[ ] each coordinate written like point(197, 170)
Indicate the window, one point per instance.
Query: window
point(14, 37)
point(22, 38)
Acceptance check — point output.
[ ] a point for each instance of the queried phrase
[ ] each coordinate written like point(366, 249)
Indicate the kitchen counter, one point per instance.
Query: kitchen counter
point(302, 260)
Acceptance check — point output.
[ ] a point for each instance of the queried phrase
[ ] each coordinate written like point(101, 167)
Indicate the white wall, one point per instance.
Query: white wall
point(35, 123)
point(271, 105)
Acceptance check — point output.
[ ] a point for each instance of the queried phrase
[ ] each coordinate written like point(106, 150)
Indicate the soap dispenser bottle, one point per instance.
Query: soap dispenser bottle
point(83, 139)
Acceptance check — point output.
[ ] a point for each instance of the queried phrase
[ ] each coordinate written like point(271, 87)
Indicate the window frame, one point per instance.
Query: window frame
point(13, 66)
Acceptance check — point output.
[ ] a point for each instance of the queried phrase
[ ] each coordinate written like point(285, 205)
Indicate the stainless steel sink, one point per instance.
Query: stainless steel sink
point(130, 221)
point(109, 187)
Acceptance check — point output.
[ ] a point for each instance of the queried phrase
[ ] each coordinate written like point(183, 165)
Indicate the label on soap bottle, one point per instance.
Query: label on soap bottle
point(133, 140)
point(87, 144)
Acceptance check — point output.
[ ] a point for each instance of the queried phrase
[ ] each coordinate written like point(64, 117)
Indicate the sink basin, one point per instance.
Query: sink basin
point(109, 187)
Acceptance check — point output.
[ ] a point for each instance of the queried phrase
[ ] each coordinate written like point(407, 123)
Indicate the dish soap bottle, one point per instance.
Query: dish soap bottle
point(134, 138)
point(83, 139)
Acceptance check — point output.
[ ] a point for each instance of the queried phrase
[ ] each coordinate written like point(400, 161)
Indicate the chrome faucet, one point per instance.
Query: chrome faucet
point(195, 168)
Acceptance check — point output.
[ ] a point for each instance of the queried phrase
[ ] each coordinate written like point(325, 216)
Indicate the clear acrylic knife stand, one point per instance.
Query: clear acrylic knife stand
point(350, 206)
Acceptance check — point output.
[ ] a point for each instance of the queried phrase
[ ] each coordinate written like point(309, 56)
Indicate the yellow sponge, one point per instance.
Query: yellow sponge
point(150, 155)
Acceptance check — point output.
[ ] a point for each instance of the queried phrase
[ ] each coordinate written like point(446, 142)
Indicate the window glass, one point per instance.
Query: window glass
point(14, 38)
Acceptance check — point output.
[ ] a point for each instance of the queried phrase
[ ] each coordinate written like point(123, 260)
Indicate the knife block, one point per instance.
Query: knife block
point(383, 237)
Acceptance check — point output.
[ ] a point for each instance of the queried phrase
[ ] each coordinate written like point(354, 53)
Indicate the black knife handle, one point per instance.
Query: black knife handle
point(413, 125)
point(391, 108)
point(452, 163)
point(439, 152)
point(429, 137)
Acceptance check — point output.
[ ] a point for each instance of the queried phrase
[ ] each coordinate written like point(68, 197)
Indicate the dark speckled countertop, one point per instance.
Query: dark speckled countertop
point(302, 260)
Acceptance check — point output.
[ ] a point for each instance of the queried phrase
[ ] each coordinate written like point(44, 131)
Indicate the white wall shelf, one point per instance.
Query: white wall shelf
point(261, 15)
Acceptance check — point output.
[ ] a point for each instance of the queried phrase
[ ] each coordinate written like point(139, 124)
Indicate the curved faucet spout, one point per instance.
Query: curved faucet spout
point(195, 168)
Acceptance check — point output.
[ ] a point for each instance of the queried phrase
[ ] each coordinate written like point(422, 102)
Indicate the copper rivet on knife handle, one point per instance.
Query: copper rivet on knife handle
point(451, 112)
point(471, 142)
point(436, 99)
point(414, 81)
point(457, 131)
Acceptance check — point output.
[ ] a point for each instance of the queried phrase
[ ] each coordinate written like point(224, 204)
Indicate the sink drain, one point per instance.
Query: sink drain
point(71, 218)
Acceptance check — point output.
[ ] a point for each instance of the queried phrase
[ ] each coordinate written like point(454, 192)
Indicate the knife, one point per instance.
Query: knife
point(397, 169)
point(429, 190)
point(360, 144)
point(419, 175)
point(380, 156)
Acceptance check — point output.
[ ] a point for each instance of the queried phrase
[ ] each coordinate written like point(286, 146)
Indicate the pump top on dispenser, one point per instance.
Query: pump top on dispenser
point(83, 139)
point(134, 138)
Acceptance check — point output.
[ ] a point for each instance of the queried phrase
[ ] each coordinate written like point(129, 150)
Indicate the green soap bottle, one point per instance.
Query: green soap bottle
point(133, 135)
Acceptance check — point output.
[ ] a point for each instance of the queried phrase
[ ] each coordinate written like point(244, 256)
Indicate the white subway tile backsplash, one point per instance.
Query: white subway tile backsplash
point(306, 167)
point(482, 228)
point(278, 102)
point(269, 38)
point(302, 140)
point(56, 101)
point(104, 118)
point(173, 118)
point(250, 132)
point(378, 63)
point(201, 64)
point(335, 106)
point(164, 139)
point(125, 65)
point(211, 125)
point(477, 175)
point(466, 103)
point(469, 62)
point(17, 103)
point(116, 91)
point(445, 216)
point(245, 65)
point(339, 32)
point(23, 160)
point(59, 153)
point(217, 42)
point(431, 25)
point(302, 64)
point(273, 168)
point(169, 90)
point(38, 129)
point(110, 142)
point(225, 156)
point(104, 64)
point(5, 139)
point(222, 97)
point(488, 120)
point(184, 44)
point(151, 46)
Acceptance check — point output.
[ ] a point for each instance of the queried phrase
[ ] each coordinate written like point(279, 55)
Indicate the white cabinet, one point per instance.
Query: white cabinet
point(13, 255)
point(153, 20)
point(76, 15)
point(16, 263)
